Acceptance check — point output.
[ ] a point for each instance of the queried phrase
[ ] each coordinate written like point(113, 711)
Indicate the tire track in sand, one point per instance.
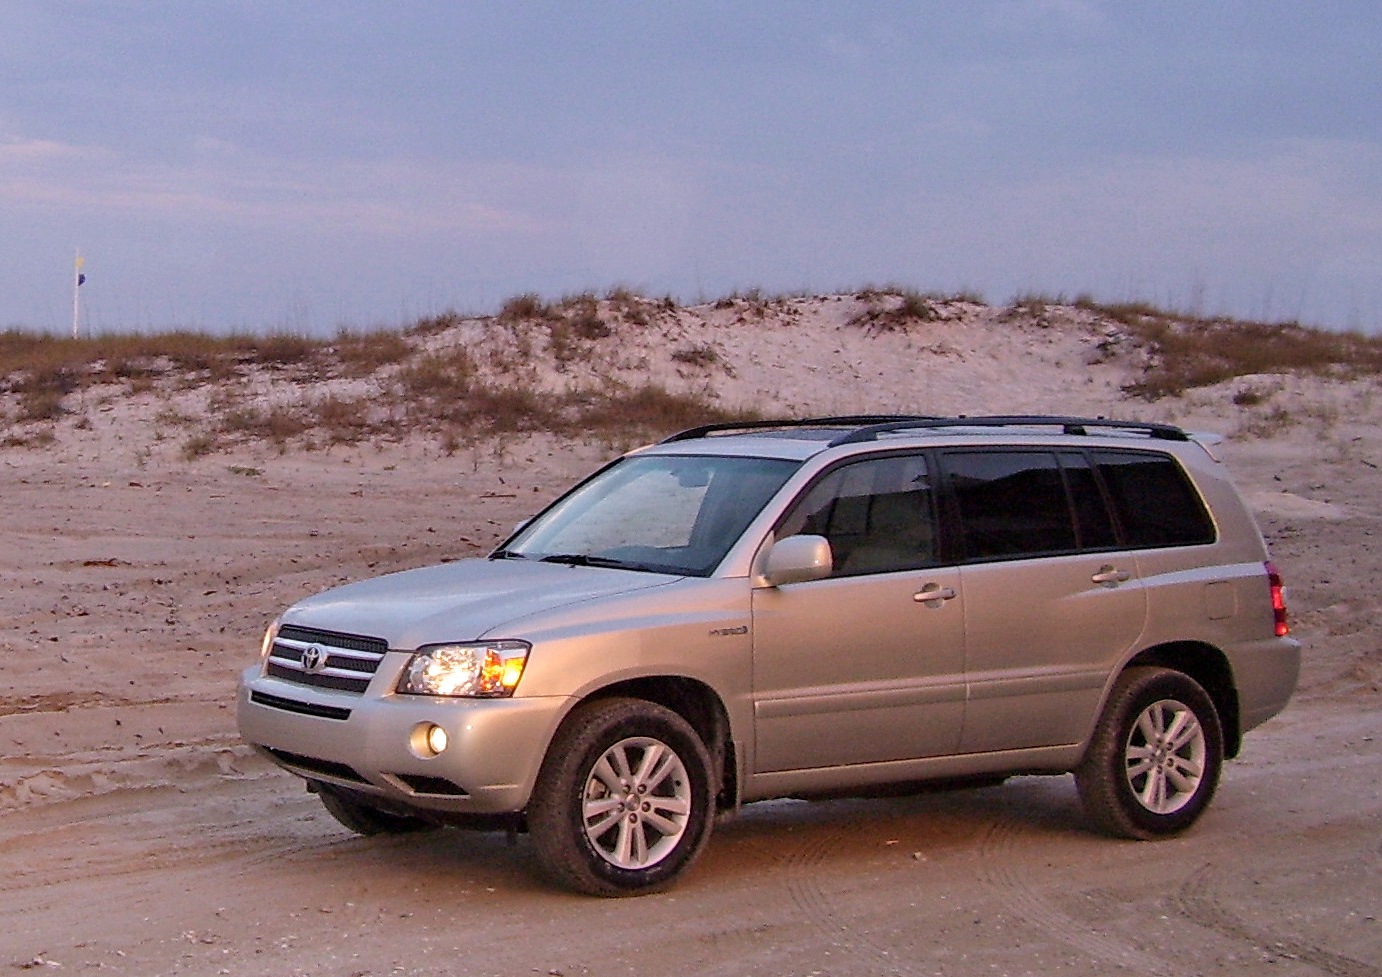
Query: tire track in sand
point(1198, 901)
point(1000, 871)
point(803, 867)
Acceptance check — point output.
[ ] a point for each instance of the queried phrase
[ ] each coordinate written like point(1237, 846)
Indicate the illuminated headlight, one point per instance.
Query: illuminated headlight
point(267, 646)
point(486, 669)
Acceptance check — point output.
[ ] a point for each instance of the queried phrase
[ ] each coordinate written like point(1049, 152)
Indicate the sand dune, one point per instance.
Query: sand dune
point(137, 835)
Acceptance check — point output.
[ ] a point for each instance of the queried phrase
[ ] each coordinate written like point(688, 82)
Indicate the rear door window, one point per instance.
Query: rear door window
point(1009, 504)
point(1093, 521)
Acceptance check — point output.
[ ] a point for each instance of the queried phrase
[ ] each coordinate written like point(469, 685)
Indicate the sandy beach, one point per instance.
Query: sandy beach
point(138, 835)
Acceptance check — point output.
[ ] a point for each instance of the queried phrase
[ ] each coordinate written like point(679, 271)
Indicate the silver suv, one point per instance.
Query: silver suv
point(798, 608)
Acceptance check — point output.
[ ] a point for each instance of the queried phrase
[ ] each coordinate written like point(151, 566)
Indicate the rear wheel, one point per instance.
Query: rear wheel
point(1154, 762)
point(623, 803)
point(365, 819)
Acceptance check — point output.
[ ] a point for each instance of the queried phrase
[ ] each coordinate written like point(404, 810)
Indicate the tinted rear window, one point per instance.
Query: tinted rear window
point(1155, 502)
point(1010, 504)
point(1092, 517)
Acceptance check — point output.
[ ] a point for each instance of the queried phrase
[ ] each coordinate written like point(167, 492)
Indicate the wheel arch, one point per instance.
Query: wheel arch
point(702, 708)
point(1209, 667)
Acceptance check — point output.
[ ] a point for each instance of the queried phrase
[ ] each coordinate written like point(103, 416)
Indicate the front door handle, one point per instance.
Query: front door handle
point(934, 595)
point(1109, 576)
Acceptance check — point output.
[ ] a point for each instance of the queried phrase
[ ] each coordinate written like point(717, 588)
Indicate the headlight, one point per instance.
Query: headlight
point(266, 647)
point(483, 669)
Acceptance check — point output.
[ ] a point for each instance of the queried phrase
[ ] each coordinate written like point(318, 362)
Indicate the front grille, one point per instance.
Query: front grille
point(325, 659)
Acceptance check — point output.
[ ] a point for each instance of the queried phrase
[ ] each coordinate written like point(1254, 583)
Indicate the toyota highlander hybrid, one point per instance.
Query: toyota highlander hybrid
point(796, 609)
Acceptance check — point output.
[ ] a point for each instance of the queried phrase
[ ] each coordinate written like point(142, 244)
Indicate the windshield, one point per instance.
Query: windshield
point(663, 513)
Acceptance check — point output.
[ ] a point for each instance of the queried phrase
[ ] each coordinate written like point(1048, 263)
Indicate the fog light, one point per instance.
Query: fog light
point(436, 739)
point(428, 740)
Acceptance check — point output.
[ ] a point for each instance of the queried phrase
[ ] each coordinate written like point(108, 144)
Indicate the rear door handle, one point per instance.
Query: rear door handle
point(934, 595)
point(1110, 576)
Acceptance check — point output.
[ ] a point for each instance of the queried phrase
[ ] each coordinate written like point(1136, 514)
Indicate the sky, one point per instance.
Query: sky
point(306, 166)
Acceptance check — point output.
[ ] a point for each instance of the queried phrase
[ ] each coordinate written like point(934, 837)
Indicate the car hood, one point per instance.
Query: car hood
point(461, 601)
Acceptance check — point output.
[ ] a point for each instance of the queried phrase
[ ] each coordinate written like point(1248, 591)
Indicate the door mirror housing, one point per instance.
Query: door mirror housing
point(798, 559)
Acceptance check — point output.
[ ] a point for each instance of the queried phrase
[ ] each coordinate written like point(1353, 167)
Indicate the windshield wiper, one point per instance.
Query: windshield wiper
point(506, 555)
point(587, 560)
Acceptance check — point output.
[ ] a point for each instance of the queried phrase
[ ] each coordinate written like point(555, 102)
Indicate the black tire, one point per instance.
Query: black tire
point(1154, 762)
point(624, 801)
point(364, 818)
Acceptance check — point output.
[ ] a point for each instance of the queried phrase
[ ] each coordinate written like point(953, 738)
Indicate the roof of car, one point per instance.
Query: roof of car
point(853, 429)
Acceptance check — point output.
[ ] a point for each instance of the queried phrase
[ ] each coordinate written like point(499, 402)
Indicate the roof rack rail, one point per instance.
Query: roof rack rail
point(849, 420)
point(1068, 425)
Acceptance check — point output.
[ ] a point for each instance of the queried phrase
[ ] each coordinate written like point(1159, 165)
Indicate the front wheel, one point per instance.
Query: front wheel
point(1154, 761)
point(623, 802)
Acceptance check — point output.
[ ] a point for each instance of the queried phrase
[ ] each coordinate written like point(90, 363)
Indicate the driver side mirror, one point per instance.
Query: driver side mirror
point(798, 559)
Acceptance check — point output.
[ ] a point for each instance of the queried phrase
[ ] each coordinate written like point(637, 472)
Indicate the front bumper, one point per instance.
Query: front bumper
point(368, 743)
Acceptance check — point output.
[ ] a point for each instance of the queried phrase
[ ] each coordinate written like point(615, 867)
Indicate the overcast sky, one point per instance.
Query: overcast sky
point(305, 166)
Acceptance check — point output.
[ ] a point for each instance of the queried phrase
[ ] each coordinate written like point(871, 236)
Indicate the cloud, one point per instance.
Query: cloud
point(221, 183)
point(17, 151)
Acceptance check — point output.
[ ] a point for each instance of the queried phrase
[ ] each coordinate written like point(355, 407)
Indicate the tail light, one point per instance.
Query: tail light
point(1278, 600)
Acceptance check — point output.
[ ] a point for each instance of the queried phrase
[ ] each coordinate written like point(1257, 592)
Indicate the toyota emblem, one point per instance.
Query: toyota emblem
point(314, 659)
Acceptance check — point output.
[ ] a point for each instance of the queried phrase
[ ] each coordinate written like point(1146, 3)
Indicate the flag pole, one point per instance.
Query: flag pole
point(77, 277)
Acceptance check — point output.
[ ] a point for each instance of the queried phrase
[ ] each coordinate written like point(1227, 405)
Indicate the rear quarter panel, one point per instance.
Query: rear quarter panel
point(1219, 595)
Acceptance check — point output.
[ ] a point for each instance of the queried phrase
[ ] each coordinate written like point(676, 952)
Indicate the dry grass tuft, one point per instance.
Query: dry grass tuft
point(278, 424)
point(198, 445)
point(1187, 352)
point(649, 410)
point(524, 308)
point(431, 325)
point(344, 420)
point(893, 309)
point(363, 354)
point(702, 355)
point(437, 377)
